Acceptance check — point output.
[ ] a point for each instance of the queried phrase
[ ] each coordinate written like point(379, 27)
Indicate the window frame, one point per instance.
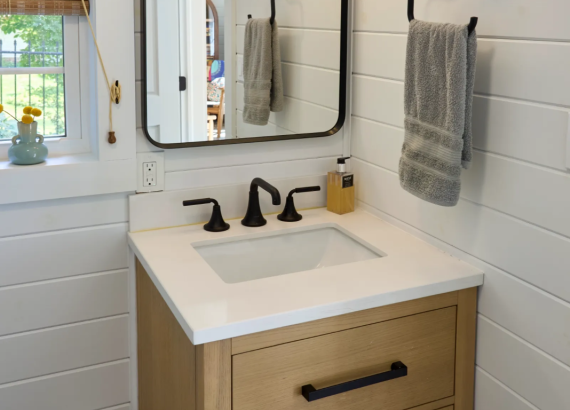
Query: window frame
point(77, 89)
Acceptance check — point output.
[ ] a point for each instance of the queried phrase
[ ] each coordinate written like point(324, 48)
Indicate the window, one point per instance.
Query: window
point(40, 66)
point(84, 163)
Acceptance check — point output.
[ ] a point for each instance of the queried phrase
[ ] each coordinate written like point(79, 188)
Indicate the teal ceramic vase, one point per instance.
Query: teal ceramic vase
point(27, 147)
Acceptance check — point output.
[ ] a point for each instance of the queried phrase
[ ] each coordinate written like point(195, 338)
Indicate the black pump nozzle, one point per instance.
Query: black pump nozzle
point(341, 164)
point(290, 214)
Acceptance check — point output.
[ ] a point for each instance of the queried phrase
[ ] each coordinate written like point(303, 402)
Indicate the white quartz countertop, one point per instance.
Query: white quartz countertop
point(208, 309)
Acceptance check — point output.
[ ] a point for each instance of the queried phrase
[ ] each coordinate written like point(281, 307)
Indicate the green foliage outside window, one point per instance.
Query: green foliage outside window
point(42, 35)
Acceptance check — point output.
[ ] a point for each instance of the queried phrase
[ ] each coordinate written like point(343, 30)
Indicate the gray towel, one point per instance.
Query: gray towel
point(440, 75)
point(263, 81)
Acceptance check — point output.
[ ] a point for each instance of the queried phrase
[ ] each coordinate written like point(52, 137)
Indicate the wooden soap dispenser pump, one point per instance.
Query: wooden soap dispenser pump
point(340, 189)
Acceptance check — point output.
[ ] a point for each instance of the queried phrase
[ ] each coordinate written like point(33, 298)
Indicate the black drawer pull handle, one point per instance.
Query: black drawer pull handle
point(399, 369)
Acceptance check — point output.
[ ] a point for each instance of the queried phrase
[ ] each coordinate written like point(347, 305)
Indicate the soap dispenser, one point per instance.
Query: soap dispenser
point(340, 189)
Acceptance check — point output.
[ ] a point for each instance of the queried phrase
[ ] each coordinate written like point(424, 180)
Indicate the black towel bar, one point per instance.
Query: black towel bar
point(472, 23)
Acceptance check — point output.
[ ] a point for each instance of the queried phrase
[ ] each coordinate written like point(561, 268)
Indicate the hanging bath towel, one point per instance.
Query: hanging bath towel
point(440, 75)
point(263, 82)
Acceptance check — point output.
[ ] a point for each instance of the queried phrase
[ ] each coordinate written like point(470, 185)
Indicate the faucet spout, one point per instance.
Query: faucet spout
point(274, 192)
point(253, 217)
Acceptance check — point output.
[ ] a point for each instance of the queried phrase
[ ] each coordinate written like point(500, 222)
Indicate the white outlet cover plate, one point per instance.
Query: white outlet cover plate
point(157, 157)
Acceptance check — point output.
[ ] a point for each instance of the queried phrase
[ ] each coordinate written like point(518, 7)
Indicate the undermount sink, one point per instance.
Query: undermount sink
point(266, 255)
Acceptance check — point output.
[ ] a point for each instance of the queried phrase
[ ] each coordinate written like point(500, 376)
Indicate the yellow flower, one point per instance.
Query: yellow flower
point(1, 108)
point(27, 119)
point(27, 110)
point(36, 112)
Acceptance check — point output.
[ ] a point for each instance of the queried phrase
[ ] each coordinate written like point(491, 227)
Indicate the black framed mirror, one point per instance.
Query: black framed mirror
point(206, 66)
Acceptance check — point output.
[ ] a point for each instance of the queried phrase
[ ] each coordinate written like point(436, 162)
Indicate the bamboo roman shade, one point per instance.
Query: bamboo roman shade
point(43, 7)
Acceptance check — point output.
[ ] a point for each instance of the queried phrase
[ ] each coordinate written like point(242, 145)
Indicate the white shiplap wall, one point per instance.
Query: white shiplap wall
point(310, 52)
point(64, 326)
point(513, 218)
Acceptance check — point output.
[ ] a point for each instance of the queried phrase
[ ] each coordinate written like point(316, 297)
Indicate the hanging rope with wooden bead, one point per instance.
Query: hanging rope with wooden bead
point(114, 88)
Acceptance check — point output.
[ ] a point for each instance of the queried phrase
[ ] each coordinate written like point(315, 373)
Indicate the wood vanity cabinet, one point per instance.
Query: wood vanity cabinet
point(434, 338)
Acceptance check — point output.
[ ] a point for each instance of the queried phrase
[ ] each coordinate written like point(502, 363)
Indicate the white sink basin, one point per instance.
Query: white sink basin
point(262, 256)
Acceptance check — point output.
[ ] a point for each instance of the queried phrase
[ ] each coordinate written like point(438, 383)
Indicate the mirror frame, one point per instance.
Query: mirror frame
point(342, 104)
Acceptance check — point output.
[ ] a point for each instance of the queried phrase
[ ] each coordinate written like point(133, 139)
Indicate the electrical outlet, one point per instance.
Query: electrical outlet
point(149, 174)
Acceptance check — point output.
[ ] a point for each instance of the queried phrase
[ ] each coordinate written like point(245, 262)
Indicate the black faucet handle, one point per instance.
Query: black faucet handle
point(202, 201)
point(305, 189)
point(217, 223)
point(290, 214)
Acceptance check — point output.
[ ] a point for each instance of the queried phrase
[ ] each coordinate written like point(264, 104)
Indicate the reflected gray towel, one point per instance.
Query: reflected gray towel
point(263, 81)
point(440, 75)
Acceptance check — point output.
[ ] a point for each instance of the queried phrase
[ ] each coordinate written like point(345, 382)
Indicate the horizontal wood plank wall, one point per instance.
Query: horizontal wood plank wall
point(497, 120)
point(120, 407)
point(513, 217)
point(255, 131)
point(298, 116)
point(58, 302)
point(521, 366)
point(492, 394)
point(79, 251)
point(535, 21)
point(310, 52)
point(289, 14)
point(244, 174)
point(60, 214)
point(93, 388)
point(304, 47)
point(64, 303)
point(38, 353)
point(311, 84)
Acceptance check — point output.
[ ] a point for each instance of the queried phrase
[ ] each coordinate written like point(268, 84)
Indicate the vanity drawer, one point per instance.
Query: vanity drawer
point(273, 378)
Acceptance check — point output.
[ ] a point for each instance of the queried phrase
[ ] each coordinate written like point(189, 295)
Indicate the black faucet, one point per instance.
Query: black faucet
point(217, 223)
point(253, 216)
point(290, 214)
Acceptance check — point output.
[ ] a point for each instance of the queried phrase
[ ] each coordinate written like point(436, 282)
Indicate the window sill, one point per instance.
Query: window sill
point(5, 165)
point(64, 177)
point(57, 146)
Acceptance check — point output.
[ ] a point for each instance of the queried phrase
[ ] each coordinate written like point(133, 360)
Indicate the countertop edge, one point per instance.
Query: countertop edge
point(336, 309)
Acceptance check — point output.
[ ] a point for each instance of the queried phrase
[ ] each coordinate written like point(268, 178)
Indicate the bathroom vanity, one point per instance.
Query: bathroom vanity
point(336, 313)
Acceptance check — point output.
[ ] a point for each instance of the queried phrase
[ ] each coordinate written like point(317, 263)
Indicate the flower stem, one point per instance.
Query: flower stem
point(11, 115)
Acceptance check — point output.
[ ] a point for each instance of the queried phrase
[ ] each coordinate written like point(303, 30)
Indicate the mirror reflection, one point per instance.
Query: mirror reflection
point(215, 69)
point(261, 68)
